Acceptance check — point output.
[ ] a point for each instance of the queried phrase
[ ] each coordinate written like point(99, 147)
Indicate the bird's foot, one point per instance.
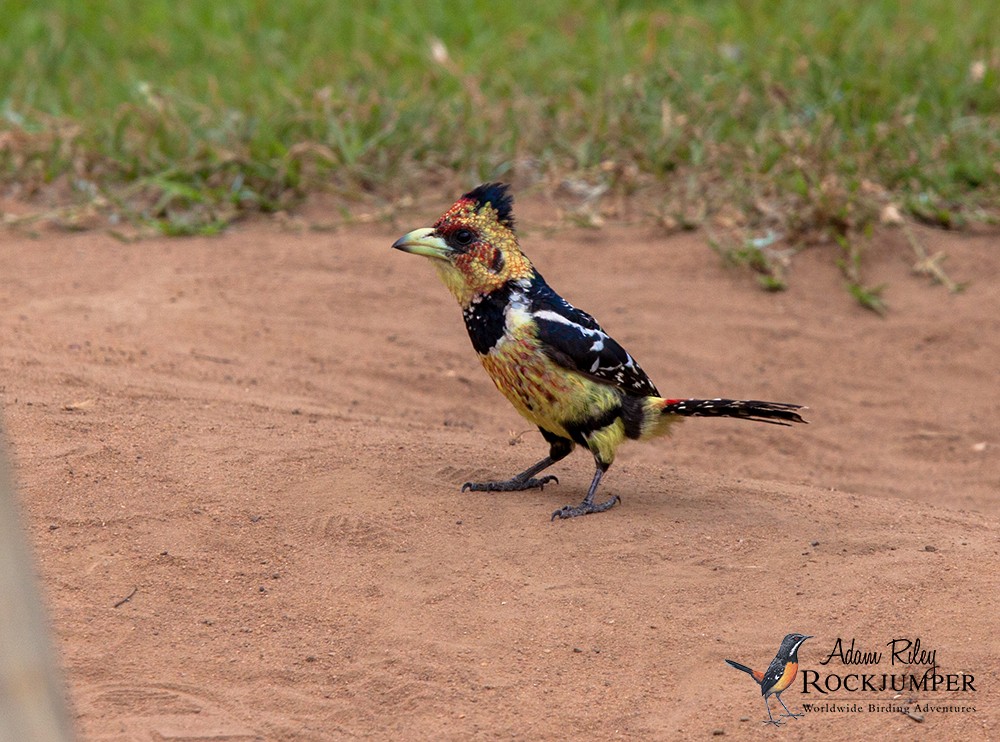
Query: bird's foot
point(793, 715)
point(509, 485)
point(585, 508)
point(776, 722)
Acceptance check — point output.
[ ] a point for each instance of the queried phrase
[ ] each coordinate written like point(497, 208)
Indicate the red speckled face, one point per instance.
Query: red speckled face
point(473, 245)
point(483, 251)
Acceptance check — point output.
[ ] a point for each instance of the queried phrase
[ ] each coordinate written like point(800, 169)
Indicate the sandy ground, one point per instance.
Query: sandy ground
point(260, 437)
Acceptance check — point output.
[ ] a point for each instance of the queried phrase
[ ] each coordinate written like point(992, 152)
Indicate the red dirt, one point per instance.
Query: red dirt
point(263, 435)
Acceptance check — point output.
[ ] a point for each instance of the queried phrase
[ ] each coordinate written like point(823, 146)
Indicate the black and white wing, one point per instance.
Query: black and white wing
point(574, 340)
point(773, 674)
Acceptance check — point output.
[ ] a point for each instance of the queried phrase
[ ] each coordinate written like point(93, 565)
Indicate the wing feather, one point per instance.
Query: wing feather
point(574, 339)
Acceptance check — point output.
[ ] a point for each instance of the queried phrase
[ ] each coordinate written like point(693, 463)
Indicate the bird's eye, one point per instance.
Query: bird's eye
point(463, 237)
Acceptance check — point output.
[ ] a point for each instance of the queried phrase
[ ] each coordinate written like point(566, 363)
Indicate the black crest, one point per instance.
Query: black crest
point(495, 194)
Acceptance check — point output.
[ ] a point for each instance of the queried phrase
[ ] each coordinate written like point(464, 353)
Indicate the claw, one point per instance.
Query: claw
point(509, 485)
point(584, 508)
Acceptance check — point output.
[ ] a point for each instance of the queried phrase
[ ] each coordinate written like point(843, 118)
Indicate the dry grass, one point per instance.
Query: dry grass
point(785, 123)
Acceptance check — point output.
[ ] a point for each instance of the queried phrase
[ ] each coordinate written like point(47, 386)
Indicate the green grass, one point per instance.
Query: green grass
point(805, 116)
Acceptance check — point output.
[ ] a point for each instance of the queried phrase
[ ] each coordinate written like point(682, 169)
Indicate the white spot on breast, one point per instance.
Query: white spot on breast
point(517, 313)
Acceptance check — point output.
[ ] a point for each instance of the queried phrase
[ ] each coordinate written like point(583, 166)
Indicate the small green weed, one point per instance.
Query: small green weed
point(755, 255)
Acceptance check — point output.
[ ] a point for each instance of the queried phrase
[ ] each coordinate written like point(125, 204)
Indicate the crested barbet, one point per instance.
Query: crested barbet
point(552, 361)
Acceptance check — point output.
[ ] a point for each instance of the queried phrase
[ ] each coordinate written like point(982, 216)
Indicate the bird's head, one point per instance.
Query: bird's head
point(473, 245)
point(791, 643)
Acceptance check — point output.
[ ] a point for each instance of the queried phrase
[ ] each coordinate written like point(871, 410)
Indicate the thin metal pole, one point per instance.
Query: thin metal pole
point(32, 698)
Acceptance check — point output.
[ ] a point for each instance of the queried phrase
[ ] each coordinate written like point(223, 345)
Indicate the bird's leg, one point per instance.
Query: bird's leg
point(559, 448)
point(790, 713)
point(771, 719)
point(587, 506)
point(523, 481)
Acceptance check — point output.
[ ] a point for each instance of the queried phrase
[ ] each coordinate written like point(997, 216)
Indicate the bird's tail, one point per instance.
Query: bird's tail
point(659, 415)
point(776, 413)
point(741, 668)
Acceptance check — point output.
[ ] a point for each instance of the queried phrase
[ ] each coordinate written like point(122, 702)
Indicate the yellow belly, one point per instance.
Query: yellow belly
point(544, 393)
